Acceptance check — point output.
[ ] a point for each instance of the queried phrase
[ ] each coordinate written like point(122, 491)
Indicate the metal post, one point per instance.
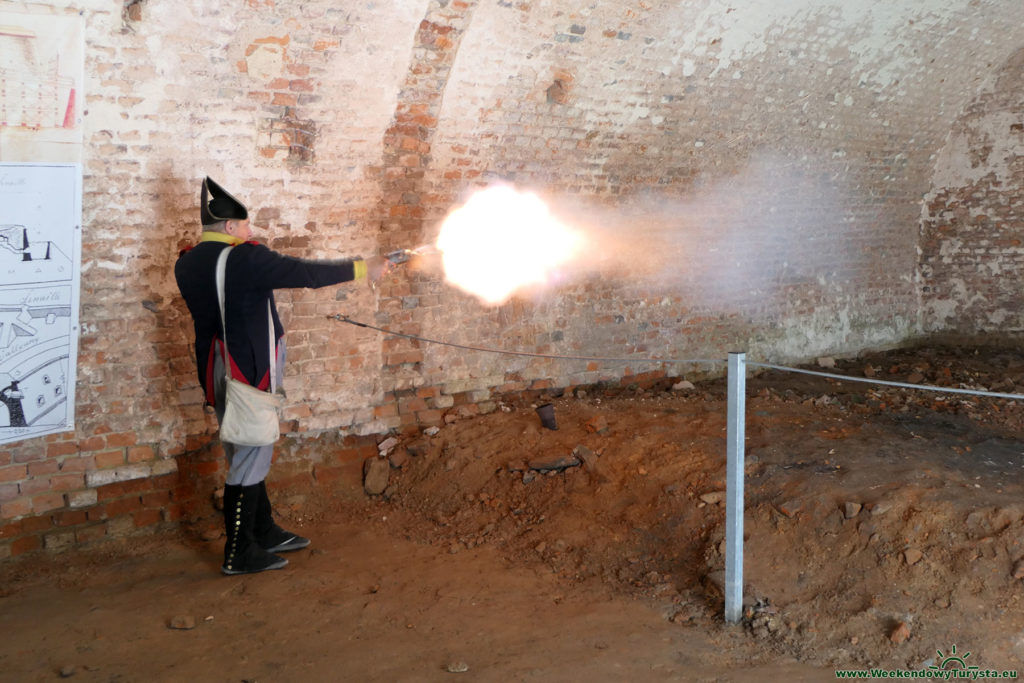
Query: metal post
point(736, 418)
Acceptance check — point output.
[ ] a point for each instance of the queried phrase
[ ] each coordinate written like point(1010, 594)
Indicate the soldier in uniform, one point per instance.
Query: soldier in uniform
point(253, 273)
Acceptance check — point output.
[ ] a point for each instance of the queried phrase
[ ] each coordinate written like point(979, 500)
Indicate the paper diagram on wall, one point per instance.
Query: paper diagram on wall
point(40, 252)
point(41, 73)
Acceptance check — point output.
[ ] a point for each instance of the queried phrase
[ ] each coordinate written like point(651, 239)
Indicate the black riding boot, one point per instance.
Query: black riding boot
point(242, 554)
point(269, 535)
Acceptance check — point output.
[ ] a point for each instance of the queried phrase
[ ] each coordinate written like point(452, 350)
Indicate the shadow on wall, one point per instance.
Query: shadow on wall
point(166, 327)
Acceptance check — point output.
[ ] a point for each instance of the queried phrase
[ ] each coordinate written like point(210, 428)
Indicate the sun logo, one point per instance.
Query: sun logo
point(954, 659)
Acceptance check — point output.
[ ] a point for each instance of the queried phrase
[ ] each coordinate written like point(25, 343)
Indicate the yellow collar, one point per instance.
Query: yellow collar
point(210, 236)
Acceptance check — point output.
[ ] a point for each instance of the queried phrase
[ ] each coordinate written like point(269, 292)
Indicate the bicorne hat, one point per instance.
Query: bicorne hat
point(217, 204)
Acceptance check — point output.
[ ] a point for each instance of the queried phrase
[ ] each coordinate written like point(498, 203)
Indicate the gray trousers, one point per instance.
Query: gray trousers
point(247, 465)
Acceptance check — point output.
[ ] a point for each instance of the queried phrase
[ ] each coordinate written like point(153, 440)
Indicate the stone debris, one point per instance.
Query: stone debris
point(880, 508)
point(457, 667)
point(431, 431)
point(714, 583)
point(826, 362)
point(789, 507)
point(851, 510)
point(67, 671)
point(418, 447)
point(385, 446)
point(713, 497)
point(912, 556)
point(376, 472)
point(683, 385)
point(764, 621)
point(557, 463)
point(1018, 570)
point(586, 456)
point(900, 634)
point(596, 425)
point(182, 623)
point(399, 457)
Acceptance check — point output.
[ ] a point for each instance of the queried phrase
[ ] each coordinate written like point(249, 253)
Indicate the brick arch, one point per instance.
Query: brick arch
point(407, 142)
point(406, 156)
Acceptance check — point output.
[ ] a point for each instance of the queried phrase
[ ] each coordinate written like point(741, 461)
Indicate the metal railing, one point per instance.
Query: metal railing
point(734, 461)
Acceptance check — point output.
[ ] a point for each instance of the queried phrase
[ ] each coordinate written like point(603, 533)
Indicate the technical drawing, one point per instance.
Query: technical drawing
point(35, 331)
point(40, 243)
point(40, 259)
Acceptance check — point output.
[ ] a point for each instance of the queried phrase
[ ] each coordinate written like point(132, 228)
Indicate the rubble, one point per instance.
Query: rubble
point(182, 623)
point(375, 476)
point(557, 463)
point(900, 633)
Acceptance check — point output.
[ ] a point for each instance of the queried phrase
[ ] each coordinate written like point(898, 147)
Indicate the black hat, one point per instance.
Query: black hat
point(221, 207)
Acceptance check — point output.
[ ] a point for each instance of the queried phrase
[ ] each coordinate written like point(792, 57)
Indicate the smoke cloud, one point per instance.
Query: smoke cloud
point(756, 233)
point(751, 236)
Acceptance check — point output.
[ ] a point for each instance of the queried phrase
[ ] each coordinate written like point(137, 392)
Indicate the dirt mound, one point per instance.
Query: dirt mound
point(880, 521)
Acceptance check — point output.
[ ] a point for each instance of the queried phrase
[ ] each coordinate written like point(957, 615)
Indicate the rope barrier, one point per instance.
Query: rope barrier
point(923, 387)
point(906, 385)
point(350, 321)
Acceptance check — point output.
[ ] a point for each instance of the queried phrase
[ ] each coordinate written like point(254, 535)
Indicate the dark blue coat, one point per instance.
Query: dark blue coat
point(253, 273)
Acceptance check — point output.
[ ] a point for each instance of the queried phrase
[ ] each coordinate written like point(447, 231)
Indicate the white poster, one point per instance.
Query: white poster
point(40, 255)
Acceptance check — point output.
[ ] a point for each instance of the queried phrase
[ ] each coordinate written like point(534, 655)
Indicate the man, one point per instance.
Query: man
point(11, 396)
point(253, 272)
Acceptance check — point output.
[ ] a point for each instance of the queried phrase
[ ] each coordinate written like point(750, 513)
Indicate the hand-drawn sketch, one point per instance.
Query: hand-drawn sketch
point(40, 247)
point(48, 261)
point(41, 73)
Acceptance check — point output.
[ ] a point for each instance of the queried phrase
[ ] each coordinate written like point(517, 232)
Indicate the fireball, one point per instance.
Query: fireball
point(502, 241)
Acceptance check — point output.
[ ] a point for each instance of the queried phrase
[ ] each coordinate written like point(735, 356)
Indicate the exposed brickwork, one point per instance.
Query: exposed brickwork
point(404, 200)
point(972, 236)
point(59, 520)
point(349, 131)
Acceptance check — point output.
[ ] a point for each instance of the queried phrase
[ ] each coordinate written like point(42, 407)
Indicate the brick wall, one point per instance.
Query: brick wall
point(972, 229)
point(748, 177)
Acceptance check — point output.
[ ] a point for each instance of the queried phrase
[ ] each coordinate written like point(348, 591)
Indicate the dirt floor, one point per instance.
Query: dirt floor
point(884, 529)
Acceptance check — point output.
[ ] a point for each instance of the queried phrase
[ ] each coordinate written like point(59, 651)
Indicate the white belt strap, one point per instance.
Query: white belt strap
point(222, 262)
